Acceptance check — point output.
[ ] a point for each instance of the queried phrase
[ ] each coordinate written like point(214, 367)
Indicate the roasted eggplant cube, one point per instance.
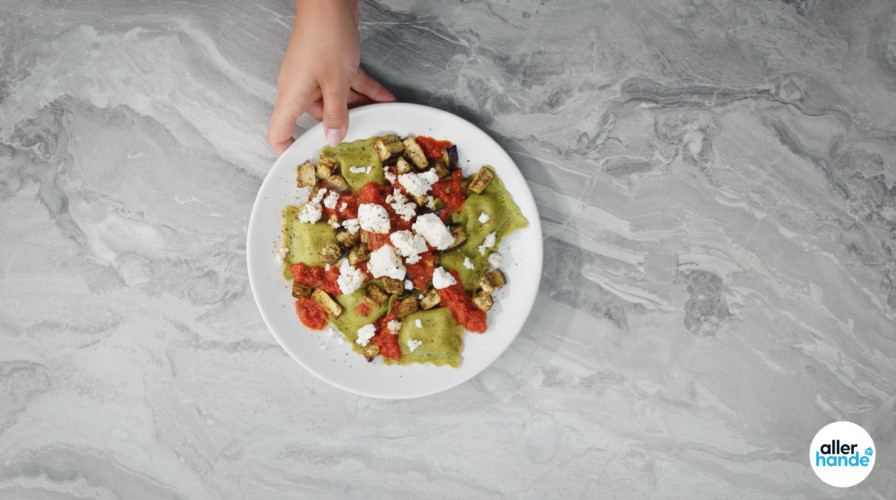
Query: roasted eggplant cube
point(348, 239)
point(326, 166)
point(460, 236)
point(331, 306)
point(492, 281)
point(402, 166)
point(358, 254)
point(441, 168)
point(421, 200)
point(365, 236)
point(371, 351)
point(375, 295)
point(305, 175)
point(393, 285)
point(406, 307)
point(388, 147)
point(430, 300)
point(413, 152)
point(330, 253)
point(449, 156)
point(299, 290)
point(481, 181)
point(338, 183)
point(483, 300)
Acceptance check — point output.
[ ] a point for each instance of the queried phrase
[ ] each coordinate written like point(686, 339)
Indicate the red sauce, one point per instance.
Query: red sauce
point(317, 277)
point(311, 314)
point(421, 271)
point(372, 193)
point(432, 148)
point(377, 240)
point(363, 309)
point(456, 299)
point(388, 344)
point(349, 201)
point(386, 339)
point(451, 191)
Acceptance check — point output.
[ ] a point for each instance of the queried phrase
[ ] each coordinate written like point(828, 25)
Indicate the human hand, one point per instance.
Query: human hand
point(321, 73)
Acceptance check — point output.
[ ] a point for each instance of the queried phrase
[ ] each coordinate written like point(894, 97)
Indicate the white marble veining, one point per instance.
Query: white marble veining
point(716, 185)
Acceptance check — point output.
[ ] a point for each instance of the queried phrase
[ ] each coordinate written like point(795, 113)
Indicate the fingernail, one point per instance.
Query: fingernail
point(334, 135)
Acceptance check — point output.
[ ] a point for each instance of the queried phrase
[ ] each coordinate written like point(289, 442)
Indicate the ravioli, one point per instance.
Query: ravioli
point(350, 320)
point(304, 241)
point(504, 218)
point(440, 336)
point(358, 154)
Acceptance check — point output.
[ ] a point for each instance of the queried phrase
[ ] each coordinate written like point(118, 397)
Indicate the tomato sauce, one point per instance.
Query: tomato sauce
point(363, 309)
point(456, 299)
point(317, 277)
point(386, 339)
point(388, 344)
point(372, 193)
point(311, 314)
point(432, 148)
point(376, 241)
point(450, 190)
point(421, 271)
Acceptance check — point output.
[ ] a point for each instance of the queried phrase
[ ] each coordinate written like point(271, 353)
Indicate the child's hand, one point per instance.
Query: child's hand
point(321, 72)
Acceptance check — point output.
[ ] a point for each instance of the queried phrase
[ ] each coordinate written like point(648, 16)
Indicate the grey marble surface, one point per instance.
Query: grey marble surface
point(716, 185)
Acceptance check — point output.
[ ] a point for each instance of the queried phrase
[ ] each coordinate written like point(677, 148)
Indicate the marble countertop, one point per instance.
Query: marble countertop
point(716, 187)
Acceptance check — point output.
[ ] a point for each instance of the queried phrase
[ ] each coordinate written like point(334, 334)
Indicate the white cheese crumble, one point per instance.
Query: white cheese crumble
point(384, 262)
point(343, 206)
point(436, 233)
point(431, 202)
point(413, 344)
point(387, 173)
point(310, 212)
point(373, 218)
point(442, 278)
point(400, 204)
point(331, 200)
point(360, 170)
point(351, 225)
point(365, 333)
point(350, 278)
point(418, 184)
point(408, 285)
point(281, 254)
point(409, 245)
point(488, 243)
point(495, 259)
point(394, 326)
point(418, 323)
point(468, 264)
point(483, 218)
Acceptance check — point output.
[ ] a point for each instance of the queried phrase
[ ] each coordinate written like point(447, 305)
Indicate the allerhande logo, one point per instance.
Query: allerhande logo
point(842, 454)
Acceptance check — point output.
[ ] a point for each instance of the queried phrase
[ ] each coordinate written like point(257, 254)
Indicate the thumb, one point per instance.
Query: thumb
point(335, 116)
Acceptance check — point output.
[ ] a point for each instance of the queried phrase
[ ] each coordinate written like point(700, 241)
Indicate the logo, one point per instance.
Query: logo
point(842, 454)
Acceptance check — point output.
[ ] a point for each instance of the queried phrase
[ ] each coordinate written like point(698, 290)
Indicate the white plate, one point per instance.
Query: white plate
point(332, 360)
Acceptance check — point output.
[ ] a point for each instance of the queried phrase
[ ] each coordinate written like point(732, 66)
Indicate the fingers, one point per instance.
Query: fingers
point(283, 121)
point(316, 108)
point(335, 113)
point(366, 85)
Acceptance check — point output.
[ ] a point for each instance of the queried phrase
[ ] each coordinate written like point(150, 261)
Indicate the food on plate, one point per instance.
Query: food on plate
point(395, 248)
